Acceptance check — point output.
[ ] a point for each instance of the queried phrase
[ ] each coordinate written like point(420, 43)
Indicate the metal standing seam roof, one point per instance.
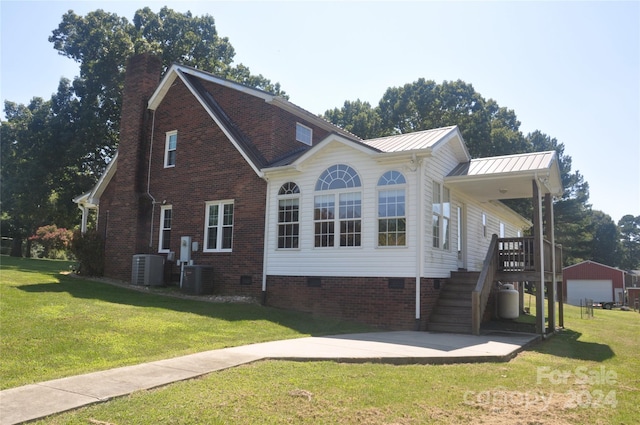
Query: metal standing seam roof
point(505, 164)
point(409, 141)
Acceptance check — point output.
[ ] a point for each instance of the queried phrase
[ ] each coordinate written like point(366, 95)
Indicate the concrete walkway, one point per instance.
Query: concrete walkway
point(46, 398)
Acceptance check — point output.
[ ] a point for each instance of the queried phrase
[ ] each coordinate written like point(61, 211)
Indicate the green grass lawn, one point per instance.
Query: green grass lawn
point(588, 373)
point(55, 325)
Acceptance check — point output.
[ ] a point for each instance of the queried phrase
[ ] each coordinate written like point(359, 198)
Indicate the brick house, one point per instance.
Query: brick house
point(289, 208)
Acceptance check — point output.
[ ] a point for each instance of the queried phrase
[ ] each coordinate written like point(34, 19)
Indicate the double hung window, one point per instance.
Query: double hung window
point(289, 216)
point(441, 208)
point(170, 147)
point(166, 213)
point(392, 220)
point(218, 232)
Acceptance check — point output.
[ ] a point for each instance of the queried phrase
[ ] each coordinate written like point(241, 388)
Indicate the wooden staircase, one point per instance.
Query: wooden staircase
point(452, 312)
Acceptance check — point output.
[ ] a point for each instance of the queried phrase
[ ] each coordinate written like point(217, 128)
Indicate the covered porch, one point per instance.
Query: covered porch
point(534, 258)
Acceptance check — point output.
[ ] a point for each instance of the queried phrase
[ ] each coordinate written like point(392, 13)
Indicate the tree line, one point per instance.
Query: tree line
point(53, 150)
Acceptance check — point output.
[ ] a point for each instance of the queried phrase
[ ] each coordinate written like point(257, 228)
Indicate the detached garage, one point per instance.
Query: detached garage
point(594, 281)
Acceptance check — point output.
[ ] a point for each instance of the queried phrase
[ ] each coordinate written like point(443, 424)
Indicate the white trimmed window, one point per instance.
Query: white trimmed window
point(441, 208)
point(484, 225)
point(166, 213)
point(336, 186)
point(304, 134)
point(218, 230)
point(392, 220)
point(289, 216)
point(170, 147)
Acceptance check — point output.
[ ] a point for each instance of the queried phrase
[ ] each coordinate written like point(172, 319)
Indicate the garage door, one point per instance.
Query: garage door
point(596, 290)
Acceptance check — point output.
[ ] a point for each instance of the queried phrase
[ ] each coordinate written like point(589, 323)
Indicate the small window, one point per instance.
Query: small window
point(289, 216)
point(164, 244)
point(218, 232)
point(170, 146)
point(441, 208)
point(303, 134)
point(502, 230)
point(484, 225)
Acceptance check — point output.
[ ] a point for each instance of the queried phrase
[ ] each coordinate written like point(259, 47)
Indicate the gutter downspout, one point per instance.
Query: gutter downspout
point(419, 238)
point(265, 249)
point(153, 200)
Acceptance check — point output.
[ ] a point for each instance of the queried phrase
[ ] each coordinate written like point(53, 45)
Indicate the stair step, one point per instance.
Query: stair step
point(438, 317)
point(449, 327)
point(455, 302)
point(457, 286)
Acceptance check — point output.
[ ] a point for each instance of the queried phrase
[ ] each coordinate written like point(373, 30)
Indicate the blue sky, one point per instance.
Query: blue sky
point(568, 69)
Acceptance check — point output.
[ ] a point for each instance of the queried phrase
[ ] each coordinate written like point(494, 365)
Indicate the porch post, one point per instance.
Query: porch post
point(550, 235)
point(85, 216)
point(539, 258)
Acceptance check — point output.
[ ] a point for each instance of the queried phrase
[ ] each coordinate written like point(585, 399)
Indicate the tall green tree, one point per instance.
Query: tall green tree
point(572, 210)
point(54, 150)
point(630, 232)
point(606, 240)
point(357, 117)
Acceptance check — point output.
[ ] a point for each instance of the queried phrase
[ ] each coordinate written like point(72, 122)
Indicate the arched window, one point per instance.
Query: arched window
point(338, 184)
point(392, 220)
point(289, 216)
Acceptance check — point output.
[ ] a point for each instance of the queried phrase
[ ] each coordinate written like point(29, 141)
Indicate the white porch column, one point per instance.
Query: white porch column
point(85, 218)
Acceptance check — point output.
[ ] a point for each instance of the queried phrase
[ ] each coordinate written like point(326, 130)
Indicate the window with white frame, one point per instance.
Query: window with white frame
point(484, 225)
point(289, 216)
point(502, 230)
point(392, 220)
point(166, 213)
point(304, 134)
point(441, 211)
point(337, 185)
point(218, 231)
point(170, 147)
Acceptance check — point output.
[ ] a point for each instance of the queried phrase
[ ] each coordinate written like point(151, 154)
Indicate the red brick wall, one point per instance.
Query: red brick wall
point(123, 227)
point(275, 136)
point(361, 299)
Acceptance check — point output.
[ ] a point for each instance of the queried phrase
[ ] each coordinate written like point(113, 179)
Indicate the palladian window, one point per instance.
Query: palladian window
point(338, 188)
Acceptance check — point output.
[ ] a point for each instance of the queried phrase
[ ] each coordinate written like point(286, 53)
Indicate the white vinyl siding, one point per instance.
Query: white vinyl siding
point(365, 260)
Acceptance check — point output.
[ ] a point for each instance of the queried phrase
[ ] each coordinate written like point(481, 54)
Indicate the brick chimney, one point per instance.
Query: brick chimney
point(127, 230)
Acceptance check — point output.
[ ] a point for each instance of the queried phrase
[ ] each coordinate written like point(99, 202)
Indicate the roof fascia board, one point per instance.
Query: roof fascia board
point(219, 123)
point(453, 133)
point(103, 182)
point(523, 220)
point(175, 71)
point(327, 141)
point(304, 114)
point(593, 262)
point(162, 89)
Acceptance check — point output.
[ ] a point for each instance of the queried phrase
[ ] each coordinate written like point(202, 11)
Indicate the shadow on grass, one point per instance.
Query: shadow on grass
point(566, 343)
point(93, 290)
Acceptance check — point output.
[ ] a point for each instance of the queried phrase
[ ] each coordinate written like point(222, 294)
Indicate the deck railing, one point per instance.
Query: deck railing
point(516, 255)
point(480, 294)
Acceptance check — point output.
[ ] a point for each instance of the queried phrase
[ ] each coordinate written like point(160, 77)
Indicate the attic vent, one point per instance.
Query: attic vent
point(303, 134)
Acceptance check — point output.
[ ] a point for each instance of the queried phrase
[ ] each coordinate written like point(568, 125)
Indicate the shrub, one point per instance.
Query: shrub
point(53, 241)
point(88, 249)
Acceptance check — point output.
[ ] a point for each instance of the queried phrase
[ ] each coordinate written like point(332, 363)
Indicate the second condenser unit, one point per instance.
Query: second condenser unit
point(197, 280)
